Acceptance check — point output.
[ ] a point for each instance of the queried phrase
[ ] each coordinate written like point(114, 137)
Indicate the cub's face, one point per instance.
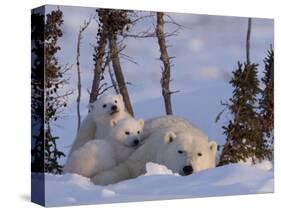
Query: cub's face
point(127, 132)
point(185, 154)
point(107, 106)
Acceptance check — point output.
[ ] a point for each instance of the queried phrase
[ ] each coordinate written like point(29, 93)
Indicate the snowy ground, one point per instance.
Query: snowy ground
point(160, 183)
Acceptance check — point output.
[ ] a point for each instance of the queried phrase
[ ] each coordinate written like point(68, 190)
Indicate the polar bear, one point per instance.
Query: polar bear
point(97, 123)
point(182, 148)
point(168, 121)
point(101, 154)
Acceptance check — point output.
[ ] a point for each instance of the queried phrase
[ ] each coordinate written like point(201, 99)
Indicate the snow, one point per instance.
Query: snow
point(159, 183)
point(264, 165)
point(157, 169)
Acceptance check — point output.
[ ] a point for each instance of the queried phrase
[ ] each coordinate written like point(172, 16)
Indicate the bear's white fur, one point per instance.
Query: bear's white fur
point(96, 125)
point(175, 144)
point(169, 121)
point(101, 154)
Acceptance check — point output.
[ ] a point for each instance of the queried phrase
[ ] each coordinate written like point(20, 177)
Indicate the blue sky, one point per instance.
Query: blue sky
point(206, 51)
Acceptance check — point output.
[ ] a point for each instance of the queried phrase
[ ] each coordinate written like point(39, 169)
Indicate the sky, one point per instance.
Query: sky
point(206, 50)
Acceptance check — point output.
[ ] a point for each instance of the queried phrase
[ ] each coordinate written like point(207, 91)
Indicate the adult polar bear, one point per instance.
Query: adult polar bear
point(97, 123)
point(170, 141)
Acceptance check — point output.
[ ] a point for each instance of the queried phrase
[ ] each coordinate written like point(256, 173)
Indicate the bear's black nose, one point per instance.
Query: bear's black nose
point(187, 170)
point(114, 108)
point(136, 142)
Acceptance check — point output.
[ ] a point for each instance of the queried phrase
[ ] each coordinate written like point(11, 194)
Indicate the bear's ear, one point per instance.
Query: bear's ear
point(91, 106)
point(213, 147)
point(169, 137)
point(141, 122)
point(113, 123)
point(120, 96)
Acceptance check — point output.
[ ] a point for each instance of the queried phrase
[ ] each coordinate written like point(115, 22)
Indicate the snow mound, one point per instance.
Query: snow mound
point(157, 169)
point(159, 183)
point(263, 165)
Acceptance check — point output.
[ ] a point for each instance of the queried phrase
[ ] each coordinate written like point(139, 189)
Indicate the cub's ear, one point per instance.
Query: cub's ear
point(141, 122)
point(113, 123)
point(169, 137)
point(120, 96)
point(91, 106)
point(213, 147)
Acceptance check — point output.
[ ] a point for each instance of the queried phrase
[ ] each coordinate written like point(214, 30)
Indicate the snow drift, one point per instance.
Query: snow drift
point(159, 183)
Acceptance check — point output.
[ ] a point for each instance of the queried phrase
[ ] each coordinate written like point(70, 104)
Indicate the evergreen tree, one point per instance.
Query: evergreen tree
point(267, 99)
point(54, 80)
point(244, 133)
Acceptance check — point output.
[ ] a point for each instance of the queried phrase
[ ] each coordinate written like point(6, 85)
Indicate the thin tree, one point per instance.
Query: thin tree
point(248, 40)
point(119, 74)
point(82, 29)
point(164, 57)
point(114, 22)
point(98, 58)
point(111, 75)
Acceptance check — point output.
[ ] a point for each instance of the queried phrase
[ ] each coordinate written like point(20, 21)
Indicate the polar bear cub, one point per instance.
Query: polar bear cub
point(101, 154)
point(96, 125)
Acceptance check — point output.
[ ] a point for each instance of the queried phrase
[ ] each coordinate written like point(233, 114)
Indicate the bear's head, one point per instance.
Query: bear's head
point(108, 106)
point(185, 153)
point(127, 131)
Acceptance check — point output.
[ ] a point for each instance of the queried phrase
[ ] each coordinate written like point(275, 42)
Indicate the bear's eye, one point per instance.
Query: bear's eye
point(138, 132)
point(180, 152)
point(104, 106)
point(199, 154)
point(115, 101)
point(127, 133)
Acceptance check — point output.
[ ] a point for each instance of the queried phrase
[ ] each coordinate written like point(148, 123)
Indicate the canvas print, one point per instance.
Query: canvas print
point(132, 105)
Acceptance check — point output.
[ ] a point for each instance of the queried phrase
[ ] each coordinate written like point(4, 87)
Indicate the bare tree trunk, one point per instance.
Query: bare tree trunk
point(111, 74)
point(100, 52)
point(119, 74)
point(82, 29)
point(78, 81)
point(248, 40)
point(166, 71)
point(114, 83)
